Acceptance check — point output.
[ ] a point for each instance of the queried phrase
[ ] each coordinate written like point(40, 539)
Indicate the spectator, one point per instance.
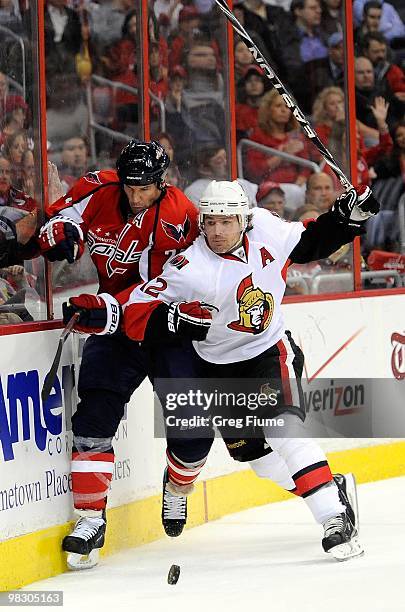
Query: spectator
point(300, 276)
point(173, 175)
point(189, 26)
point(329, 107)
point(332, 16)
point(18, 112)
point(14, 148)
point(256, 27)
point(320, 192)
point(167, 14)
point(308, 211)
point(212, 165)
point(271, 197)
point(62, 37)
point(204, 78)
point(18, 216)
point(303, 42)
point(266, 21)
point(243, 58)
point(74, 162)
point(119, 61)
point(203, 97)
point(371, 22)
point(8, 101)
point(66, 114)
point(87, 58)
point(156, 37)
point(28, 173)
point(13, 122)
point(176, 118)
point(366, 92)
point(375, 48)
point(277, 128)
point(157, 72)
point(328, 71)
point(11, 196)
point(391, 24)
point(393, 165)
point(251, 88)
point(366, 156)
point(10, 16)
point(107, 19)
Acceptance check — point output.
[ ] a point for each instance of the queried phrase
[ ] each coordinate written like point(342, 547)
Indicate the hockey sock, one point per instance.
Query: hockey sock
point(181, 472)
point(273, 467)
point(325, 503)
point(305, 461)
point(92, 470)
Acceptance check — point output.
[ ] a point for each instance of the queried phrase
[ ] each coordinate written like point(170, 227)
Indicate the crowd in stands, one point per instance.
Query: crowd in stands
point(93, 73)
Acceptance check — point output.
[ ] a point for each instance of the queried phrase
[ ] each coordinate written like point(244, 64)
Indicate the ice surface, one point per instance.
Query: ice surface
point(266, 558)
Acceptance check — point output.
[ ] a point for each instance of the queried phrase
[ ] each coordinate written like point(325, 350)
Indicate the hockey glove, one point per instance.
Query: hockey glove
point(356, 206)
point(99, 314)
point(189, 319)
point(61, 238)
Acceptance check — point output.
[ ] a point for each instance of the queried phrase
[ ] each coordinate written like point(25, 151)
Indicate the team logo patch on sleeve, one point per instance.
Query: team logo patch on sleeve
point(179, 261)
point(256, 308)
point(177, 232)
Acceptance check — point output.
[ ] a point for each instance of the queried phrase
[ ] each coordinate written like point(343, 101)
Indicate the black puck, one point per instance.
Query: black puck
point(173, 575)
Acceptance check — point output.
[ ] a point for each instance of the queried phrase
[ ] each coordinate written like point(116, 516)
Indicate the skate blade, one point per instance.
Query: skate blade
point(76, 562)
point(348, 550)
point(351, 491)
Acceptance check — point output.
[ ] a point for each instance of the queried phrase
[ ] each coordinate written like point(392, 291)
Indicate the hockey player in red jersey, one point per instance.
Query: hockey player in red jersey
point(120, 218)
point(244, 335)
point(132, 222)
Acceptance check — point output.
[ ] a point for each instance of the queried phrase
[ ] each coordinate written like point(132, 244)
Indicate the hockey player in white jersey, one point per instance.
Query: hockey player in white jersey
point(238, 265)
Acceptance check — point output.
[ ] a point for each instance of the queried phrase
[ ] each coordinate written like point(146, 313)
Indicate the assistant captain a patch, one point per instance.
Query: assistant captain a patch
point(256, 308)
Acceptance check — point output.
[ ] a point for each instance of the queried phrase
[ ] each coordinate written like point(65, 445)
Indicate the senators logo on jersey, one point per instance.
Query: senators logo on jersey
point(177, 232)
point(256, 308)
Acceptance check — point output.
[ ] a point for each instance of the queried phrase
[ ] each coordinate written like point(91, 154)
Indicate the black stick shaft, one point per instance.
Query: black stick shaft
point(287, 97)
point(50, 377)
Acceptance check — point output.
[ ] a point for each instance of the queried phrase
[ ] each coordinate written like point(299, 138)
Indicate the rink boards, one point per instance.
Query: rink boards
point(362, 337)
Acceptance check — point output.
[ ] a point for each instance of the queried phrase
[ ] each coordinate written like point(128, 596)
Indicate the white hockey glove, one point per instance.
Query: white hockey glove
point(356, 206)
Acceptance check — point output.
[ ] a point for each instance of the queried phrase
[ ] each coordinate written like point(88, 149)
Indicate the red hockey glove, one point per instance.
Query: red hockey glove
point(189, 319)
point(356, 206)
point(61, 238)
point(99, 314)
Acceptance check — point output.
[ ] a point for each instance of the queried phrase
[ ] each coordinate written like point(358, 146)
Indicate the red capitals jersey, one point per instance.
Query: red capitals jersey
point(126, 249)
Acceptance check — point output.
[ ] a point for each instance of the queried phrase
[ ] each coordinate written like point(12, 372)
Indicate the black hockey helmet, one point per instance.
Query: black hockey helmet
point(143, 163)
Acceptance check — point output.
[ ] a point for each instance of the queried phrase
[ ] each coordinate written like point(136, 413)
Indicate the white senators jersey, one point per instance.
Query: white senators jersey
point(246, 287)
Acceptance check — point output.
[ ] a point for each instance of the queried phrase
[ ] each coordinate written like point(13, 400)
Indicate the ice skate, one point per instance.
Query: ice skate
point(174, 508)
point(341, 538)
point(84, 543)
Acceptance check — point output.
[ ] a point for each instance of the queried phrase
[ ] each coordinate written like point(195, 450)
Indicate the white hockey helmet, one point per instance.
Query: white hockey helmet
point(225, 198)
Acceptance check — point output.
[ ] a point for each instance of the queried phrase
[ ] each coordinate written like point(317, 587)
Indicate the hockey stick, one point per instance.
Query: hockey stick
point(287, 97)
point(50, 377)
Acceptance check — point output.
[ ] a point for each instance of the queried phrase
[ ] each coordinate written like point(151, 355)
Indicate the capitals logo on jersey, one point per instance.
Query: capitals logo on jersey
point(177, 232)
point(255, 308)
